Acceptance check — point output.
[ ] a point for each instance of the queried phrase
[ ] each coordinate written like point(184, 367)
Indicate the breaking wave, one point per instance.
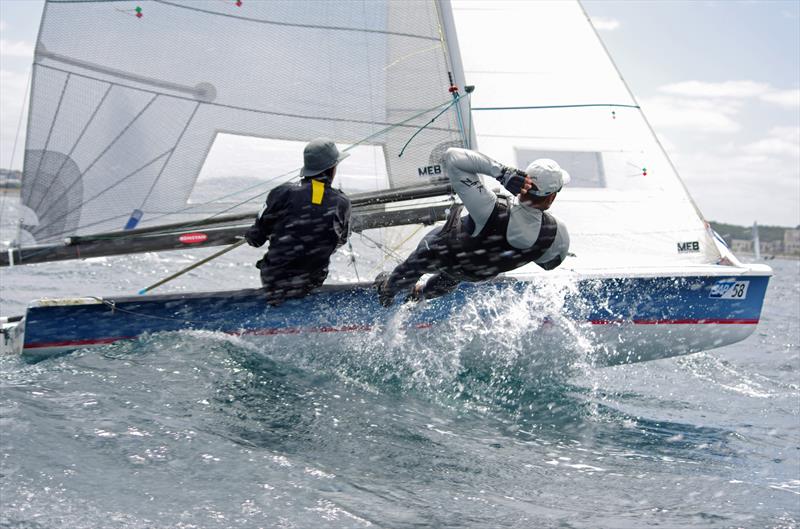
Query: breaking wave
point(496, 349)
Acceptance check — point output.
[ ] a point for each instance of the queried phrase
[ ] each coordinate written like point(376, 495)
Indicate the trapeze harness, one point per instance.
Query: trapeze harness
point(489, 253)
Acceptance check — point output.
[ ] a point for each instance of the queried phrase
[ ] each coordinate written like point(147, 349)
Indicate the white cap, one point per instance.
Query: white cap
point(547, 176)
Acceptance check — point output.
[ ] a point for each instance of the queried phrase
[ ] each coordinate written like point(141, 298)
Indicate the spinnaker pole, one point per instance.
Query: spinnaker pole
point(192, 267)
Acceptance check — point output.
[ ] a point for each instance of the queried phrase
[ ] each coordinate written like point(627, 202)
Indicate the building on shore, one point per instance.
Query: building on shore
point(10, 181)
point(742, 245)
point(771, 247)
point(8, 174)
point(791, 241)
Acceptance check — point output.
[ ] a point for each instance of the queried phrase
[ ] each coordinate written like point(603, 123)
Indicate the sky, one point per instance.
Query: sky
point(718, 80)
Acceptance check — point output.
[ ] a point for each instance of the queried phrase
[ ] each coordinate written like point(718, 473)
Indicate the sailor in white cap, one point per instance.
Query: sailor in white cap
point(502, 230)
point(305, 222)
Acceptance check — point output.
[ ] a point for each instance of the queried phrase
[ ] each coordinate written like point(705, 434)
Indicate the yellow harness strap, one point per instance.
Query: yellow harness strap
point(317, 190)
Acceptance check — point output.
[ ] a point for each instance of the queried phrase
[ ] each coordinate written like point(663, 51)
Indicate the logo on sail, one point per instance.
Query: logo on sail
point(430, 170)
point(690, 246)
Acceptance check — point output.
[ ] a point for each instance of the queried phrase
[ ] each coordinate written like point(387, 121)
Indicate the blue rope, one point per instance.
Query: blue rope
point(445, 109)
point(556, 106)
point(456, 98)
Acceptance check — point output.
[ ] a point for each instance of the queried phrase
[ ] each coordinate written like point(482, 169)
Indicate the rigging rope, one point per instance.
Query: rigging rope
point(540, 107)
point(192, 266)
point(454, 101)
point(353, 257)
point(383, 247)
point(387, 255)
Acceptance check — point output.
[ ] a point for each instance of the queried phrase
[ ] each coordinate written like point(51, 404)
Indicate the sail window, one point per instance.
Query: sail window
point(584, 167)
point(239, 167)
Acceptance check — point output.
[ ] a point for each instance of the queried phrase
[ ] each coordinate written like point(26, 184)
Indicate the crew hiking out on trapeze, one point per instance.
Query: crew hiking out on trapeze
point(503, 229)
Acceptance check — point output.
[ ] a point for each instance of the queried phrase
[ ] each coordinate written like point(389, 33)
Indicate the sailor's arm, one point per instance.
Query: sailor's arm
point(343, 225)
point(464, 170)
point(273, 208)
point(472, 162)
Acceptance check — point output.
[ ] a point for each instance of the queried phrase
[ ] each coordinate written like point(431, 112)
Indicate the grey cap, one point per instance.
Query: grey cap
point(320, 154)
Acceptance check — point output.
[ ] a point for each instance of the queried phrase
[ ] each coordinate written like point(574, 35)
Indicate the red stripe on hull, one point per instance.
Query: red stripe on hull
point(677, 322)
point(365, 328)
point(77, 343)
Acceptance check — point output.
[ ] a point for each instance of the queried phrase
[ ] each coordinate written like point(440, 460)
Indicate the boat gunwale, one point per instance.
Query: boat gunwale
point(712, 271)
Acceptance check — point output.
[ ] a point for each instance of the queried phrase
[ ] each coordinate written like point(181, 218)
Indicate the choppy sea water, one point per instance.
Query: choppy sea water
point(201, 430)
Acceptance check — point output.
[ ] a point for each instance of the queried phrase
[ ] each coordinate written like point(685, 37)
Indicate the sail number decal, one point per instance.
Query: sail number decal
point(193, 238)
point(729, 289)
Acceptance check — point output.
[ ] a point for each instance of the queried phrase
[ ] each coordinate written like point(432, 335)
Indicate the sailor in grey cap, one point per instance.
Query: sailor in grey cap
point(319, 155)
point(503, 229)
point(305, 222)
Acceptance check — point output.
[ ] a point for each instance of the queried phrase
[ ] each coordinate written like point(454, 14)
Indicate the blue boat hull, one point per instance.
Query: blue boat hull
point(632, 318)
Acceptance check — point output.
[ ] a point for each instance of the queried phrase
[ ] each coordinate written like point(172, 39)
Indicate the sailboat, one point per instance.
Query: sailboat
point(756, 242)
point(121, 123)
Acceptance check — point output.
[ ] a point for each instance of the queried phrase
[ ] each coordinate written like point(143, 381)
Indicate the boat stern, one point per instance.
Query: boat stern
point(12, 335)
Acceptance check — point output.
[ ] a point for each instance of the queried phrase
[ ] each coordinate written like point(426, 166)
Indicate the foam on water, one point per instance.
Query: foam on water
point(493, 349)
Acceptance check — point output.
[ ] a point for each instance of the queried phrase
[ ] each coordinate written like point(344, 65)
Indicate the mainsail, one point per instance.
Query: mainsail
point(128, 98)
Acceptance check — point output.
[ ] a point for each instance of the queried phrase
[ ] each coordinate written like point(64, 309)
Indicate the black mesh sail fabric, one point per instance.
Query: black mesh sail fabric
point(126, 102)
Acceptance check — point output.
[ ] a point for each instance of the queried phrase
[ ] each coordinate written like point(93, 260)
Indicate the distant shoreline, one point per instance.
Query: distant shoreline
point(770, 257)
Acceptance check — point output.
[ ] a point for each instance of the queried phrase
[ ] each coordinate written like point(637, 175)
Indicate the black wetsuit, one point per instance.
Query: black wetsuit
point(305, 223)
point(453, 255)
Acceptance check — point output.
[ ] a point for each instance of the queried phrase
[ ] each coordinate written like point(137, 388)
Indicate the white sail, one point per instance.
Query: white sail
point(625, 206)
point(756, 242)
point(127, 103)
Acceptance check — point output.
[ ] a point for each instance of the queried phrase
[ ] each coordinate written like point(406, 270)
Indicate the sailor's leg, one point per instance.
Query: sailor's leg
point(425, 259)
point(438, 285)
point(275, 293)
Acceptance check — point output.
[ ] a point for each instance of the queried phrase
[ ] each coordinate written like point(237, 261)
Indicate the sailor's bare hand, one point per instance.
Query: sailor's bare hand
point(526, 185)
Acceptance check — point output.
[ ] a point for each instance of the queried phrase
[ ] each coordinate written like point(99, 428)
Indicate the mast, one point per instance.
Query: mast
point(756, 241)
point(459, 80)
